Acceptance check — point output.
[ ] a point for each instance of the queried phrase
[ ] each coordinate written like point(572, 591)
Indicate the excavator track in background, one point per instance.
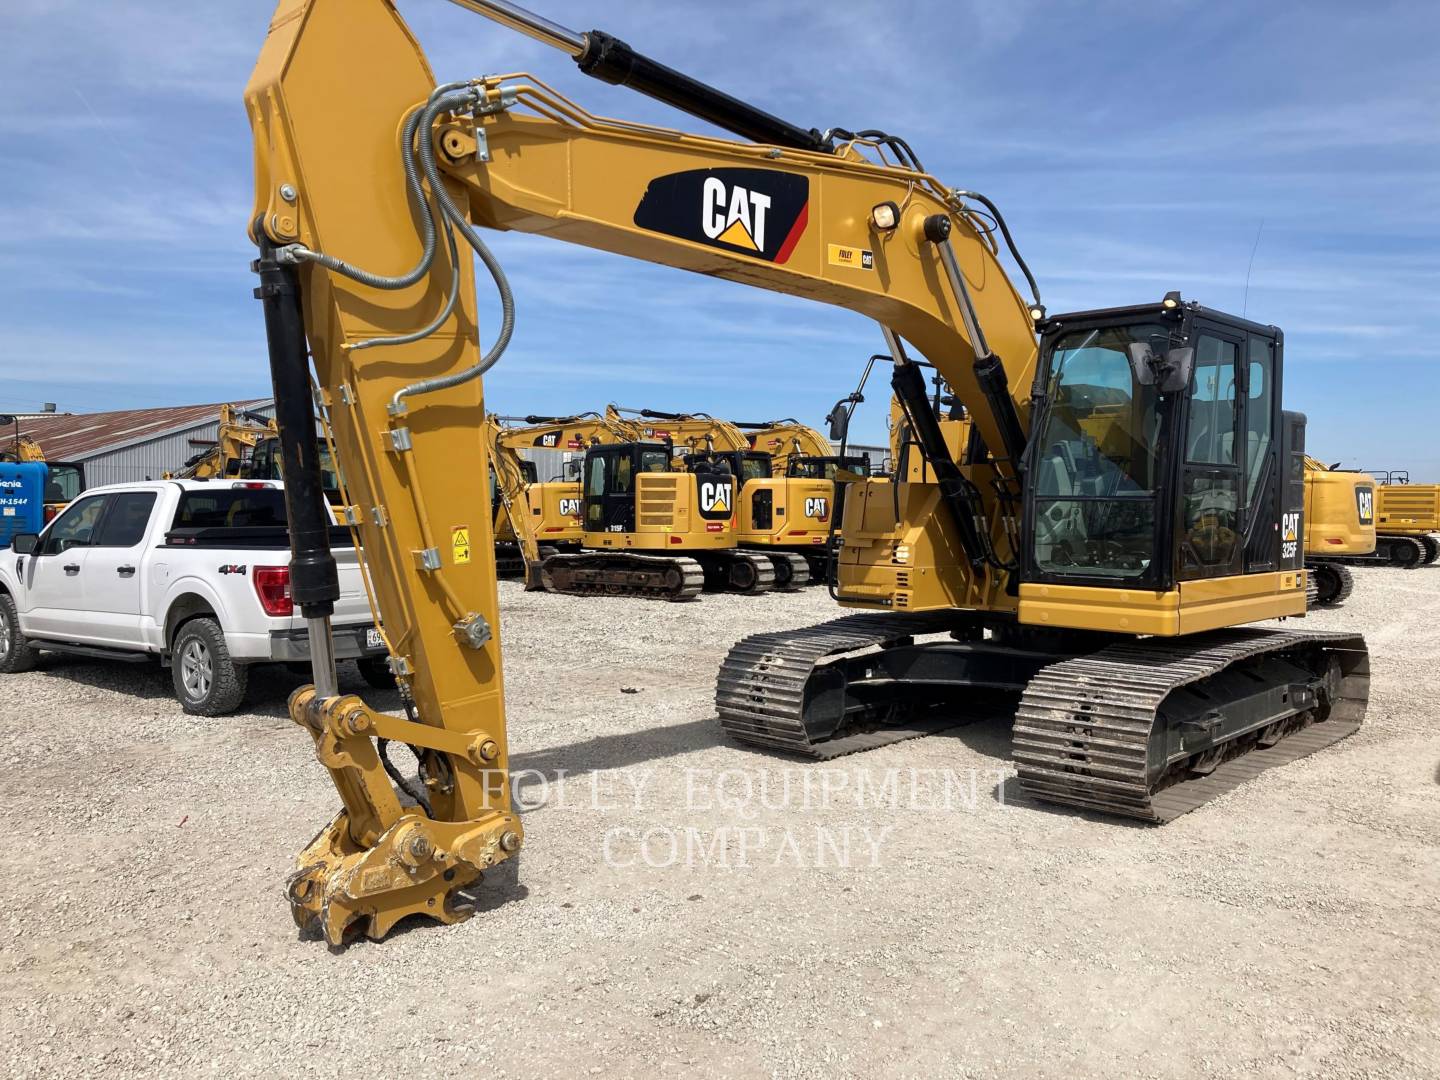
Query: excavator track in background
point(620, 573)
point(792, 572)
point(1327, 584)
point(737, 570)
point(1096, 732)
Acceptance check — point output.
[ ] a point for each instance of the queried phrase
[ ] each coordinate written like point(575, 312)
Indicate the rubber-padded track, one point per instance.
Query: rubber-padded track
point(760, 691)
point(1083, 730)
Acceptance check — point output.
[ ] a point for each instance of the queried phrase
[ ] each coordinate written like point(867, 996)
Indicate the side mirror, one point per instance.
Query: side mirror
point(1181, 364)
point(1170, 373)
point(1142, 362)
point(24, 543)
point(839, 420)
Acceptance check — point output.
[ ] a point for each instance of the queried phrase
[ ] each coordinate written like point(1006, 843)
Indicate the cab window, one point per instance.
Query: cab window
point(75, 527)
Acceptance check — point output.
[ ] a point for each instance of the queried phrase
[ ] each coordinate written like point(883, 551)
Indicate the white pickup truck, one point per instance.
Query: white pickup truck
point(192, 572)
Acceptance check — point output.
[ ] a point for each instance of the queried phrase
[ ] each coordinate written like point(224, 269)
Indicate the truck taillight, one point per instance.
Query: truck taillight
point(272, 586)
point(252, 485)
point(49, 513)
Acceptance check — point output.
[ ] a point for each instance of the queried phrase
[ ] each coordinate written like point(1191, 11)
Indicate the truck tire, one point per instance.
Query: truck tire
point(207, 682)
point(375, 670)
point(16, 653)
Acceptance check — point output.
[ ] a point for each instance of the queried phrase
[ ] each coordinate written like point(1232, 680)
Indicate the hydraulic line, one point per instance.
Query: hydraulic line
point(1009, 240)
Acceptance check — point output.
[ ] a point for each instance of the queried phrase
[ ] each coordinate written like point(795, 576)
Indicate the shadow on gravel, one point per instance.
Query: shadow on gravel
point(618, 751)
point(270, 684)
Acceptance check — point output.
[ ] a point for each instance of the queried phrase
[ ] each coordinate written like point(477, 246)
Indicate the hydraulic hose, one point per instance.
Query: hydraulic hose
point(448, 102)
point(300, 253)
point(1009, 240)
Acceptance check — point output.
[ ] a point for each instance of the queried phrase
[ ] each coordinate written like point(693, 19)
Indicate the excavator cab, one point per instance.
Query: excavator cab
point(611, 485)
point(1161, 461)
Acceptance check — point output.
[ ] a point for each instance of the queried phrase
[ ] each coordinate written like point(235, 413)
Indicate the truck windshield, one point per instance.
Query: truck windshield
point(230, 508)
point(1097, 457)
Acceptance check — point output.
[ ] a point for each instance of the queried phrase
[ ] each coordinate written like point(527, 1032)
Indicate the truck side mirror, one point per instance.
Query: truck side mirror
point(24, 543)
point(839, 421)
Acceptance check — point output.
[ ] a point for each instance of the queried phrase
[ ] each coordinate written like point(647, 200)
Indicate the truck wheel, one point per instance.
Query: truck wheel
point(16, 653)
point(375, 670)
point(207, 681)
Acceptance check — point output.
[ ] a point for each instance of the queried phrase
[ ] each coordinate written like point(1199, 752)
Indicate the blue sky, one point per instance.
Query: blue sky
point(1134, 147)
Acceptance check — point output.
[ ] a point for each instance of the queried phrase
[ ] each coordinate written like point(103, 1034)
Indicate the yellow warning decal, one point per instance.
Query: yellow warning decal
point(460, 544)
point(853, 257)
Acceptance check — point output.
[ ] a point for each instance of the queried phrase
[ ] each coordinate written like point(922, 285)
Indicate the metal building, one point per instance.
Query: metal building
point(136, 444)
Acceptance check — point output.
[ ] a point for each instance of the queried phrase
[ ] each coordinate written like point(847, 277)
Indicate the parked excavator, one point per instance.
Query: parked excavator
point(1138, 501)
point(1407, 519)
point(786, 518)
point(1339, 530)
point(236, 434)
point(552, 507)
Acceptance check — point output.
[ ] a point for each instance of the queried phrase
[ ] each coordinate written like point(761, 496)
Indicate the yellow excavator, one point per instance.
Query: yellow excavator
point(238, 432)
point(1137, 503)
point(1339, 529)
point(552, 507)
point(1407, 519)
point(786, 518)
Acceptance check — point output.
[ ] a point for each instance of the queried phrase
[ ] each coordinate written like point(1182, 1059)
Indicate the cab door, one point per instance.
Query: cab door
point(113, 566)
point(1209, 525)
point(1265, 469)
point(53, 576)
point(610, 490)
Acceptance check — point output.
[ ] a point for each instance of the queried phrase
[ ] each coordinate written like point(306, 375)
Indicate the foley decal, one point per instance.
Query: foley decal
point(853, 257)
point(757, 212)
point(460, 544)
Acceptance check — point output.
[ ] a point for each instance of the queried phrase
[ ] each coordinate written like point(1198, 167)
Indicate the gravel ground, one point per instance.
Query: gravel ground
point(1291, 927)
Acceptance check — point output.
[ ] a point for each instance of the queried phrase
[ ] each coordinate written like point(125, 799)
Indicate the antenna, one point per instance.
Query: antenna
point(1245, 304)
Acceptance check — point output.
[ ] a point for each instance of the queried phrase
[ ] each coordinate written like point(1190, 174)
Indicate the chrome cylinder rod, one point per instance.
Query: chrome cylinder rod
point(322, 657)
point(528, 23)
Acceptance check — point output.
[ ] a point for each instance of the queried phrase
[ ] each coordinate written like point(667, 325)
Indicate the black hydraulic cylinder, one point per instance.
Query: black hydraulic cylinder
point(656, 414)
point(995, 385)
point(909, 385)
point(611, 60)
point(314, 579)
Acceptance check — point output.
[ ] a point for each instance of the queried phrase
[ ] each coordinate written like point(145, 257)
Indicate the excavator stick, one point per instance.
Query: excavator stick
point(405, 408)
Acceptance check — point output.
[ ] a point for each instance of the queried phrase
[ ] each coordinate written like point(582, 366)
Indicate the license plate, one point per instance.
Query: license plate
point(373, 639)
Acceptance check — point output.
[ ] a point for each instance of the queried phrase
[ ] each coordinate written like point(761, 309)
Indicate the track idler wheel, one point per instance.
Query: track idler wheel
point(1432, 549)
point(1333, 584)
point(1406, 552)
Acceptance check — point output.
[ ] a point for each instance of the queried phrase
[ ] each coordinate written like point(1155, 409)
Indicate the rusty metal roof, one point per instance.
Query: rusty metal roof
point(78, 436)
